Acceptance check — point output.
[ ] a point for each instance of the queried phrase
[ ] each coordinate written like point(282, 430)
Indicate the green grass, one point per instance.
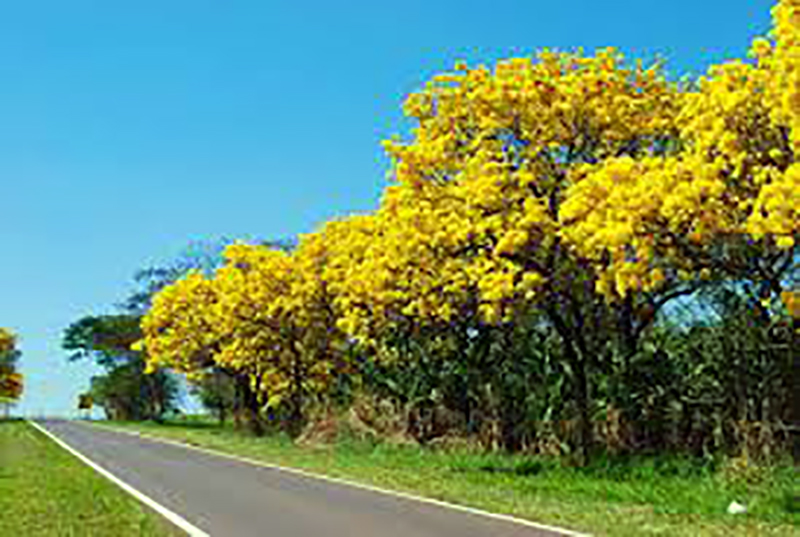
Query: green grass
point(45, 491)
point(666, 496)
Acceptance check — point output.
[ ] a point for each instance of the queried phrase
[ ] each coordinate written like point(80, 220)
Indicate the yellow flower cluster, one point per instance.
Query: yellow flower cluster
point(776, 210)
point(176, 330)
point(11, 386)
point(468, 224)
point(560, 100)
point(782, 64)
point(733, 176)
point(634, 209)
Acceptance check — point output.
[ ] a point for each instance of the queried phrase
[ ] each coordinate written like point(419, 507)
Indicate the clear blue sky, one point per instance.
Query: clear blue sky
point(128, 129)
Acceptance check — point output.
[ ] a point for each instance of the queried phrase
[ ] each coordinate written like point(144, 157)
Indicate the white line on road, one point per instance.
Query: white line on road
point(173, 517)
point(340, 481)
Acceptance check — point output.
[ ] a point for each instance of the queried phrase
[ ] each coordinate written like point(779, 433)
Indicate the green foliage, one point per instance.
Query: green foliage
point(127, 392)
point(105, 339)
point(216, 390)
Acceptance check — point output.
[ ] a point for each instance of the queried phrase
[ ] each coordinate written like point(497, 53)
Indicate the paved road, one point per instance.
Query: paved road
point(229, 498)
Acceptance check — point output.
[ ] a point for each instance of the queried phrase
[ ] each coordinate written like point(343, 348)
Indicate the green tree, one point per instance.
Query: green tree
point(216, 389)
point(125, 391)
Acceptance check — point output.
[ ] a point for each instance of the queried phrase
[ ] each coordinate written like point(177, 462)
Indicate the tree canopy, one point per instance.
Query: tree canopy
point(548, 220)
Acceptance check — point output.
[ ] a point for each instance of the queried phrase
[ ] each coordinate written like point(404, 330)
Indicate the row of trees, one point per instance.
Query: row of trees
point(574, 253)
point(11, 380)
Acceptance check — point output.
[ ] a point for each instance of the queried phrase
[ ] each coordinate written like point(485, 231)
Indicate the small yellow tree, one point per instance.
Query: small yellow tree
point(11, 381)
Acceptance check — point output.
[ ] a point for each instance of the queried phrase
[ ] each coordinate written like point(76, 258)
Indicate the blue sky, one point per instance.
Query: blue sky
point(129, 129)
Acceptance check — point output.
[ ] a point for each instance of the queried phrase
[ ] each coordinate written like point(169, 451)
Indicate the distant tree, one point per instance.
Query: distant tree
point(216, 390)
point(125, 391)
point(11, 381)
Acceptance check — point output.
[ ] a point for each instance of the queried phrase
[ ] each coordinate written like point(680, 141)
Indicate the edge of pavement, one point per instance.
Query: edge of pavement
point(171, 516)
point(341, 481)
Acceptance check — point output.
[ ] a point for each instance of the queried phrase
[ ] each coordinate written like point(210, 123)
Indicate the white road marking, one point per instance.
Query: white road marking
point(340, 481)
point(173, 517)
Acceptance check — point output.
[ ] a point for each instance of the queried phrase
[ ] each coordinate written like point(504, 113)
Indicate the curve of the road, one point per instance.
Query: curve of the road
point(231, 498)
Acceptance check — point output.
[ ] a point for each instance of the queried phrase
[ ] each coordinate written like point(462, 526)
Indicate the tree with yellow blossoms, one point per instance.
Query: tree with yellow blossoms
point(471, 229)
point(726, 206)
point(247, 316)
point(178, 333)
point(581, 187)
point(265, 314)
point(11, 381)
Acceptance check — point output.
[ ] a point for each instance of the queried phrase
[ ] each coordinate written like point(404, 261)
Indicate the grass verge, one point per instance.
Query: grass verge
point(665, 496)
point(45, 491)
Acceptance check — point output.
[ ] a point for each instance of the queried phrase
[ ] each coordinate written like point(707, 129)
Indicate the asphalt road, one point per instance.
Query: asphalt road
point(230, 498)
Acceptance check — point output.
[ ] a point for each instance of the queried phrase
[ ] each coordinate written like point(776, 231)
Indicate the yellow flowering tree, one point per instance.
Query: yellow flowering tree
point(735, 179)
point(280, 309)
point(248, 287)
point(8, 340)
point(265, 315)
point(471, 228)
point(725, 206)
point(11, 381)
point(179, 332)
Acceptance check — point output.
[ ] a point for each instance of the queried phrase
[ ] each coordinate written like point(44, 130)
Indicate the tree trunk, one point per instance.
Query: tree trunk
point(221, 415)
point(296, 418)
point(795, 394)
point(254, 423)
point(249, 406)
point(237, 407)
point(580, 382)
point(584, 440)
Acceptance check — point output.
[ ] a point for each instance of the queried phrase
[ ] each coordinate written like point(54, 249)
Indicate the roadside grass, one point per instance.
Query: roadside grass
point(656, 496)
point(45, 491)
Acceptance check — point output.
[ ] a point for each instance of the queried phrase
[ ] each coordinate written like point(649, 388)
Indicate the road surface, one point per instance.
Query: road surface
point(230, 498)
